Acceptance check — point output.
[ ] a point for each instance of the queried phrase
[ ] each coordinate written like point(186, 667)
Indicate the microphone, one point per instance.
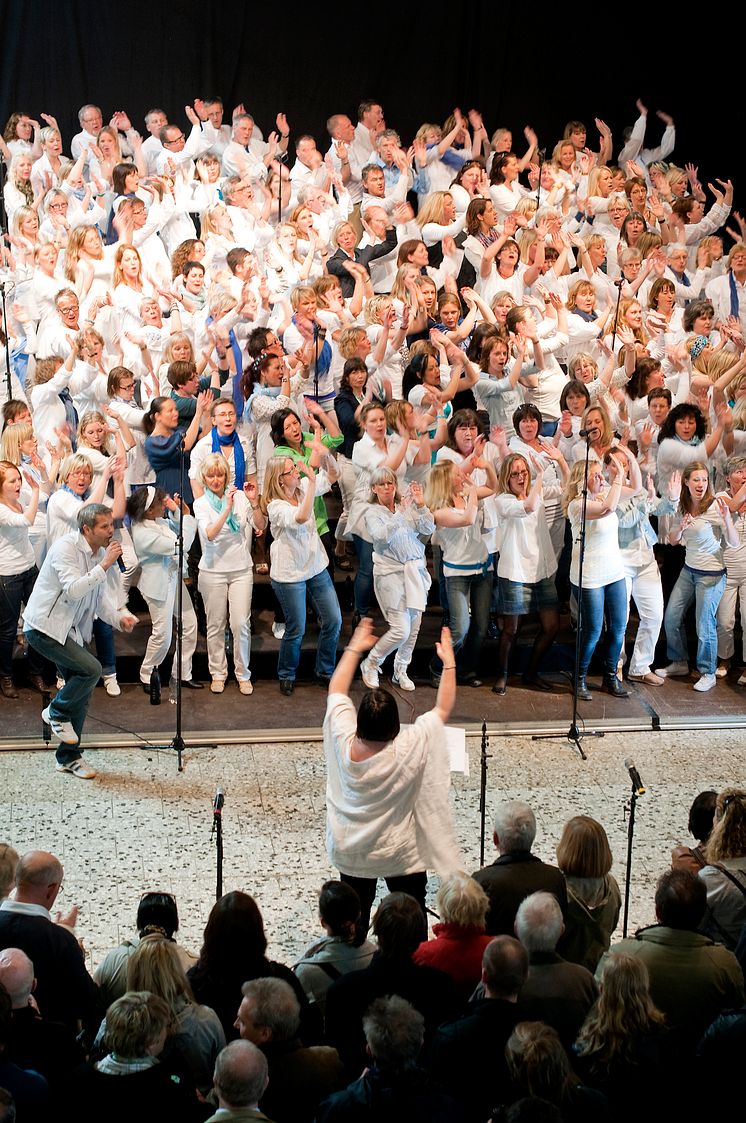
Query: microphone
point(589, 432)
point(634, 776)
point(121, 566)
point(218, 801)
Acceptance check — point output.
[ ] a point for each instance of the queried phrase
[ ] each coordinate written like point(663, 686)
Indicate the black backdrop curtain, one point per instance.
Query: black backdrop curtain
point(520, 65)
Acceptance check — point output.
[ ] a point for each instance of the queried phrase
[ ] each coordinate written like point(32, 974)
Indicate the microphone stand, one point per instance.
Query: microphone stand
point(573, 734)
point(618, 284)
point(217, 832)
point(316, 361)
point(281, 157)
point(541, 154)
point(483, 758)
point(629, 815)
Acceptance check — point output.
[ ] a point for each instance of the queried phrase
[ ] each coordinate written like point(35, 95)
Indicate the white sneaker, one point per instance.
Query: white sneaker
point(278, 629)
point(401, 678)
point(217, 686)
point(706, 682)
point(62, 730)
point(78, 768)
point(369, 674)
point(111, 686)
point(673, 670)
point(722, 670)
point(246, 686)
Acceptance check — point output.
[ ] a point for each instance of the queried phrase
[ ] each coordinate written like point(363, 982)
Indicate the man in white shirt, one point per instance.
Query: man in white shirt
point(155, 120)
point(370, 123)
point(728, 293)
point(326, 213)
point(247, 156)
point(374, 189)
point(178, 149)
point(72, 589)
point(343, 158)
point(249, 231)
point(210, 113)
point(308, 168)
point(375, 224)
point(91, 122)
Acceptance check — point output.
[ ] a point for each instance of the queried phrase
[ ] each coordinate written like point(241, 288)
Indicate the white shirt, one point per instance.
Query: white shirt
point(230, 550)
point(16, 551)
point(297, 552)
point(526, 551)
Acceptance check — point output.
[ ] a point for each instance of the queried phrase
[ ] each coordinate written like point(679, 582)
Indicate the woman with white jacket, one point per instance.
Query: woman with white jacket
point(155, 538)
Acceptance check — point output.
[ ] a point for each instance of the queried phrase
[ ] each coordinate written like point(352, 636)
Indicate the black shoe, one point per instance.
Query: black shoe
point(190, 684)
point(37, 683)
point(469, 680)
point(583, 694)
point(501, 686)
point(287, 686)
point(493, 632)
point(434, 680)
point(612, 685)
point(323, 680)
point(536, 682)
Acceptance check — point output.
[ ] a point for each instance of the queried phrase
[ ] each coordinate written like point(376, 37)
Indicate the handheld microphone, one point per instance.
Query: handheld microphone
point(634, 776)
point(218, 801)
point(121, 566)
point(588, 432)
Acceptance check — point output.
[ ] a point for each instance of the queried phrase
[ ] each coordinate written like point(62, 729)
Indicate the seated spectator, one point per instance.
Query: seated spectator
point(300, 1077)
point(130, 1082)
point(701, 819)
point(28, 1091)
point(195, 1035)
point(539, 1067)
point(459, 939)
point(725, 873)
point(65, 992)
point(692, 979)
point(394, 1087)
point(399, 927)
point(233, 952)
point(556, 992)
point(343, 949)
point(49, 1048)
point(157, 915)
point(593, 897)
point(624, 1049)
point(240, 1081)
point(720, 1055)
point(475, 1043)
point(517, 872)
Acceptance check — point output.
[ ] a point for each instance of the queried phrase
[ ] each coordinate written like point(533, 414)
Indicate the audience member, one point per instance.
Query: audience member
point(459, 939)
point(240, 1081)
point(593, 897)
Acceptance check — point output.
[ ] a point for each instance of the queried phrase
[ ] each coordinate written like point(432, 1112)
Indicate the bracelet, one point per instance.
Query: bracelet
point(354, 651)
point(451, 668)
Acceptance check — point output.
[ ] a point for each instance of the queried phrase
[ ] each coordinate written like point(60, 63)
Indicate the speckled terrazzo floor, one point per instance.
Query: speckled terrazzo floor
point(142, 825)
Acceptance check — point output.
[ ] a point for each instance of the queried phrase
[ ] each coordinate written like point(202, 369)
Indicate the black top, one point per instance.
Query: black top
point(336, 263)
point(511, 879)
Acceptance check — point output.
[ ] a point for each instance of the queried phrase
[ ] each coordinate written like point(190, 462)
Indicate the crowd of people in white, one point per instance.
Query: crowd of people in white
point(437, 330)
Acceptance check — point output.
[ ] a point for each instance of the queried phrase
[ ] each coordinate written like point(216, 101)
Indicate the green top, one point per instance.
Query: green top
point(319, 506)
point(187, 407)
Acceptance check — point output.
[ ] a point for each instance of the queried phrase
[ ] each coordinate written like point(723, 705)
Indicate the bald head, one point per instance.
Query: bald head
point(240, 1075)
point(17, 976)
point(38, 878)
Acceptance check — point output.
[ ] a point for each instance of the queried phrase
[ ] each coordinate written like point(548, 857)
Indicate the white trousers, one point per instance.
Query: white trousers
point(644, 585)
point(161, 616)
point(734, 590)
point(228, 595)
point(404, 623)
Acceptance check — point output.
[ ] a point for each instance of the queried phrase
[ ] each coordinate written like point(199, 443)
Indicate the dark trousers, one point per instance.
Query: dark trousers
point(15, 591)
point(414, 884)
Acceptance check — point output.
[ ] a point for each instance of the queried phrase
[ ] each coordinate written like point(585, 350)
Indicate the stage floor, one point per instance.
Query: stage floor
point(267, 714)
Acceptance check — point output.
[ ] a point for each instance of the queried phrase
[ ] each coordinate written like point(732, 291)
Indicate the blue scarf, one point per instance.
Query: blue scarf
point(589, 317)
point(733, 294)
point(450, 158)
point(218, 505)
point(70, 491)
point(239, 461)
point(258, 392)
point(236, 395)
point(325, 356)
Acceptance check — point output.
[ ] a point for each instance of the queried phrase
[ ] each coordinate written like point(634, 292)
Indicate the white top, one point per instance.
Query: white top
point(603, 563)
point(388, 815)
point(157, 547)
point(297, 553)
point(704, 539)
point(526, 550)
point(16, 551)
point(230, 550)
point(203, 449)
point(464, 550)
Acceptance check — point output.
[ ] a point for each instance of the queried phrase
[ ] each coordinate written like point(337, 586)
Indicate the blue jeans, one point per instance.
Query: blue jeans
point(82, 671)
point(292, 597)
point(364, 575)
point(706, 590)
point(609, 601)
point(469, 606)
point(15, 591)
point(103, 634)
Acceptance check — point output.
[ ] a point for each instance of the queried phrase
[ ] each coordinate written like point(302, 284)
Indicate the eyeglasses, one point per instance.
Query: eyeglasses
point(81, 472)
point(175, 139)
point(57, 207)
point(126, 385)
point(518, 475)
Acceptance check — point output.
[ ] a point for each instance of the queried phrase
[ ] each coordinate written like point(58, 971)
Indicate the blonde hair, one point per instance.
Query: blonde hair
point(208, 223)
point(375, 307)
point(12, 439)
point(728, 838)
point(349, 341)
point(117, 276)
point(214, 460)
point(155, 966)
point(273, 488)
point(503, 479)
point(463, 901)
point(180, 337)
point(439, 488)
point(432, 211)
point(86, 420)
point(574, 485)
point(623, 1011)
point(71, 463)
